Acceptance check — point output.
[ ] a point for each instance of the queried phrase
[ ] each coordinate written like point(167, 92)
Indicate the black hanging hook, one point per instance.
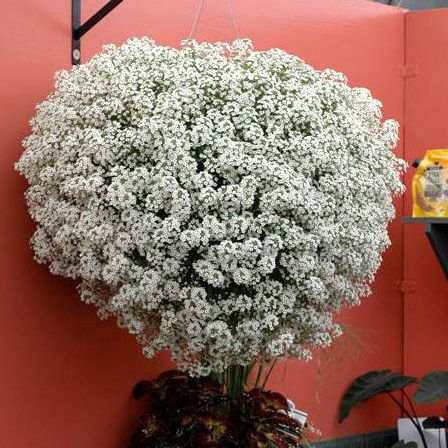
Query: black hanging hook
point(79, 30)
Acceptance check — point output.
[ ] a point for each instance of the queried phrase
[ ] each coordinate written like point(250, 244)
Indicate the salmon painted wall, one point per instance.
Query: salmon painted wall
point(65, 376)
point(425, 308)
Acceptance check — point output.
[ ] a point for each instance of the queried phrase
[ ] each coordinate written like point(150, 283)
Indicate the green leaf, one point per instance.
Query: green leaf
point(435, 423)
point(369, 385)
point(399, 381)
point(403, 444)
point(433, 387)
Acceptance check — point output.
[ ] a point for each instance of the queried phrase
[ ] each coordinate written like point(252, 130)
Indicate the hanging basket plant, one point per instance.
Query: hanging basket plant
point(220, 202)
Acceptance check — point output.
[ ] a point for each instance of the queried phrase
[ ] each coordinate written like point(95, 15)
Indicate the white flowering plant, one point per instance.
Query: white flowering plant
point(221, 202)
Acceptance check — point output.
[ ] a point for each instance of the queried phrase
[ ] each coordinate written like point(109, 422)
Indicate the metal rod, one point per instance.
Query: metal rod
point(79, 31)
point(76, 23)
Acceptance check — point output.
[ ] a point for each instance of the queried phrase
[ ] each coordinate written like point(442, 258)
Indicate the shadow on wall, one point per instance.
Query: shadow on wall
point(416, 4)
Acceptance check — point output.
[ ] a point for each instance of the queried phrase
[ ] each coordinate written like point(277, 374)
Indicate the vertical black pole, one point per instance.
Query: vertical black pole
point(76, 39)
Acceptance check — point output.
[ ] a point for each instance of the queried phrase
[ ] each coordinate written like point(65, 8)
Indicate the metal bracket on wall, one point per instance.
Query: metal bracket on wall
point(79, 30)
point(436, 230)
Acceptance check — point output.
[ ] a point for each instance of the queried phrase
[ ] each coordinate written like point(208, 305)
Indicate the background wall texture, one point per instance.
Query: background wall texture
point(66, 377)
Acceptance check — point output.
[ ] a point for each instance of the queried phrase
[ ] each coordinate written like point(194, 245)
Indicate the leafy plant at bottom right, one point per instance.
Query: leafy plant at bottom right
point(432, 388)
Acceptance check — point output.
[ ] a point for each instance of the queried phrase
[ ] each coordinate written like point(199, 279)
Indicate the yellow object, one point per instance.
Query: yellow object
point(430, 185)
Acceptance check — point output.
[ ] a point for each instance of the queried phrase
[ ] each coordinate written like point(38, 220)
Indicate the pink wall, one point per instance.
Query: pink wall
point(65, 376)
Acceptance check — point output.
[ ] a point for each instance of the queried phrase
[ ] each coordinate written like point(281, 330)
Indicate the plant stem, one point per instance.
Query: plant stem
point(414, 421)
point(268, 374)
point(410, 404)
point(260, 371)
point(235, 380)
point(415, 414)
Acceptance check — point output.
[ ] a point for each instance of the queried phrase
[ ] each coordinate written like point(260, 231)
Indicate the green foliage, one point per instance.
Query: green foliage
point(403, 444)
point(435, 423)
point(432, 388)
point(370, 385)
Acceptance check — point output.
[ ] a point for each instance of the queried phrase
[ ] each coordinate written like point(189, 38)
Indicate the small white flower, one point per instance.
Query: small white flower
point(220, 202)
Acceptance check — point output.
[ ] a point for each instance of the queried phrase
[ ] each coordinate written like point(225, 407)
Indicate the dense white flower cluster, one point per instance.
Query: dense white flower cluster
point(221, 202)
